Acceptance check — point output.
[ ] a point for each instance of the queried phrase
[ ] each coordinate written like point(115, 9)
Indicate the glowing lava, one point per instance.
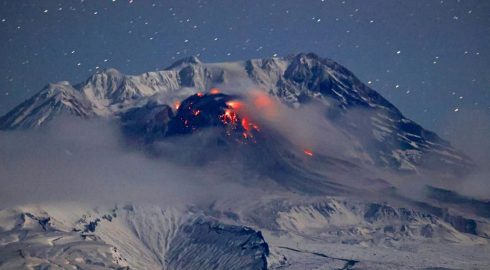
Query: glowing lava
point(308, 152)
point(229, 117)
point(234, 105)
point(214, 91)
point(245, 124)
point(235, 117)
point(177, 104)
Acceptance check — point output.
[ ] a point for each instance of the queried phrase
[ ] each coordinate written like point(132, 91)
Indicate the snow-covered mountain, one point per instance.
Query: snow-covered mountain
point(313, 170)
point(386, 136)
point(54, 99)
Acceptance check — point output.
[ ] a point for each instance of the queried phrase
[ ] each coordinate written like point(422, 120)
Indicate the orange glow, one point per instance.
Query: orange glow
point(200, 94)
point(262, 100)
point(235, 115)
point(229, 117)
point(176, 105)
point(308, 152)
point(245, 124)
point(234, 105)
point(264, 104)
point(197, 112)
point(214, 91)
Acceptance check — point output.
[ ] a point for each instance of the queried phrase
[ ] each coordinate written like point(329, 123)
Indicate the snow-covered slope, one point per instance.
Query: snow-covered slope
point(54, 99)
point(135, 236)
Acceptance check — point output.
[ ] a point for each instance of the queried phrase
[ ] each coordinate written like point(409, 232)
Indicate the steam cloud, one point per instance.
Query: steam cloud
point(469, 131)
point(89, 161)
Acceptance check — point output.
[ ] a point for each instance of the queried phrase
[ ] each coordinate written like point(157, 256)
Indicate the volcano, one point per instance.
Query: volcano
point(387, 137)
point(297, 164)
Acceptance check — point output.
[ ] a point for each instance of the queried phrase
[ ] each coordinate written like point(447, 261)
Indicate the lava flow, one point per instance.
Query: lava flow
point(308, 152)
point(229, 117)
point(234, 105)
point(235, 116)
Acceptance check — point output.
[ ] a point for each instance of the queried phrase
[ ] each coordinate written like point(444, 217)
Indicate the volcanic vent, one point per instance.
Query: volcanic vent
point(195, 113)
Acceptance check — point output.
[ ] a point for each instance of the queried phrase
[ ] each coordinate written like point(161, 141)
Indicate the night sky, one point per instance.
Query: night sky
point(430, 58)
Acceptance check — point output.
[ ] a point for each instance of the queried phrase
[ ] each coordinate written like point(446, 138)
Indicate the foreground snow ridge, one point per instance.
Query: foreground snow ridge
point(327, 233)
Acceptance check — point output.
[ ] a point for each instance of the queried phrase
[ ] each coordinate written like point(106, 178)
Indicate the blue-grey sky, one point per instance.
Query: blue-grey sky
point(430, 58)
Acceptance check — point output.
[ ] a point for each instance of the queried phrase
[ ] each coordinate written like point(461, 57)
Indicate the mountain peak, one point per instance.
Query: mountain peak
point(58, 88)
point(192, 60)
point(306, 55)
point(66, 83)
point(54, 99)
point(112, 72)
point(107, 72)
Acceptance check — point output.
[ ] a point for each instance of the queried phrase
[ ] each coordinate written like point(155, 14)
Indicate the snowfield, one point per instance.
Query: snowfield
point(322, 234)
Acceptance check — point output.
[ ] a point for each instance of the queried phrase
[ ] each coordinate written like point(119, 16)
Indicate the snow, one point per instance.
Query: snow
point(314, 233)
